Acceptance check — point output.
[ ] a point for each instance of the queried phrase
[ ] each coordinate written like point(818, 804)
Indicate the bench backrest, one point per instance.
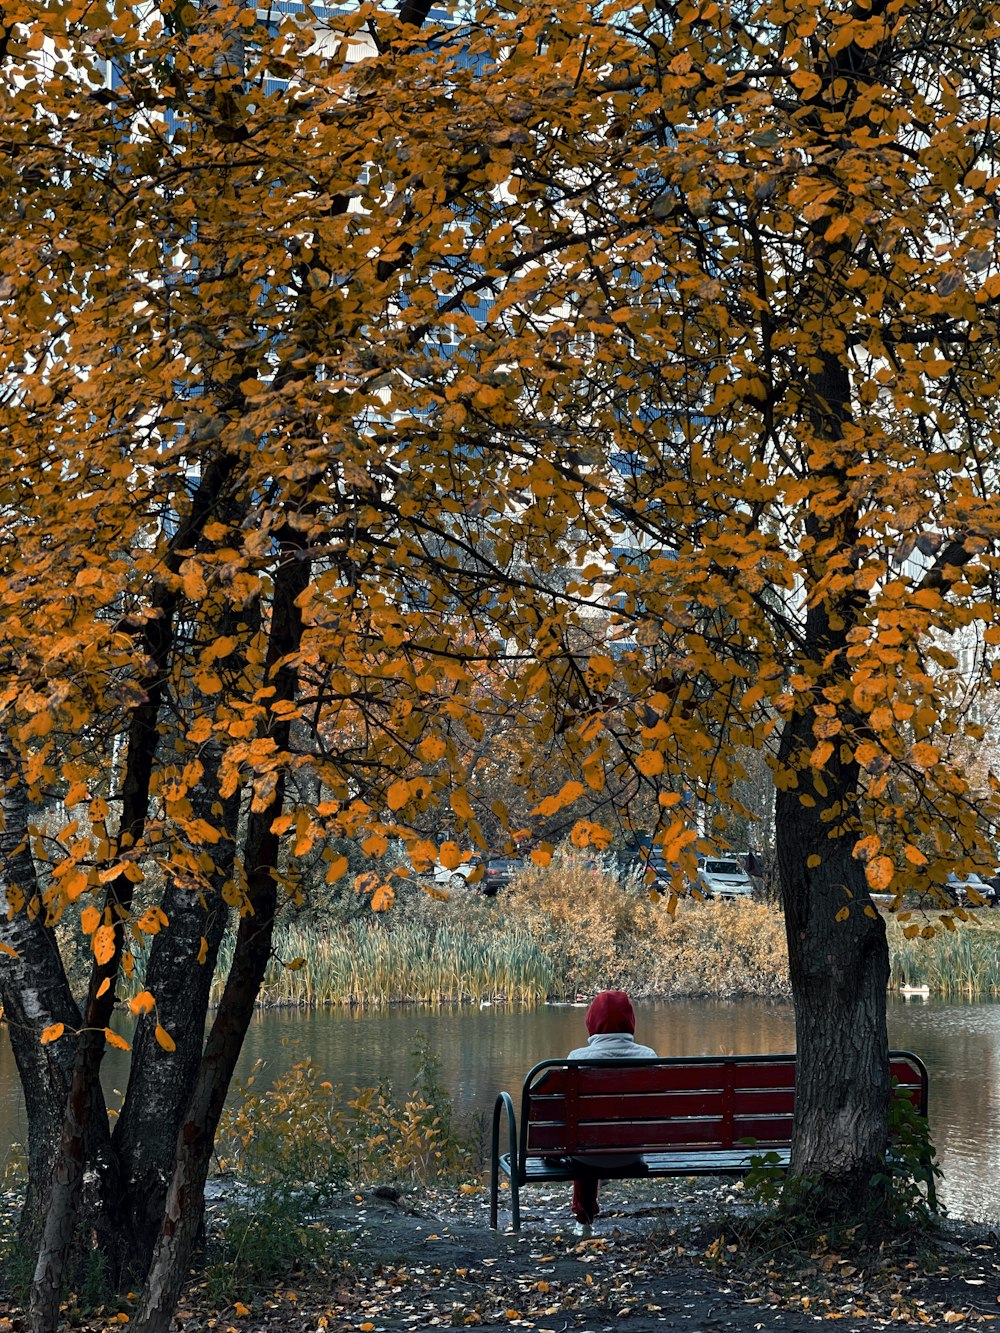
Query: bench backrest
point(673, 1104)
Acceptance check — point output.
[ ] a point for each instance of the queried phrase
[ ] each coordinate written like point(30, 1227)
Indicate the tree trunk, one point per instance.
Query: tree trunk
point(160, 1082)
point(837, 949)
point(185, 1199)
point(839, 971)
point(35, 994)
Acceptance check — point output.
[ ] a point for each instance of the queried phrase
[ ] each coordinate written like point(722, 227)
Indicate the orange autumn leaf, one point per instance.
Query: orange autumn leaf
point(880, 872)
point(143, 1003)
point(103, 944)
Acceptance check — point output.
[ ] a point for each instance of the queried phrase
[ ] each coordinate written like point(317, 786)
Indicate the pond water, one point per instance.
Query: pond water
point(484, 1050)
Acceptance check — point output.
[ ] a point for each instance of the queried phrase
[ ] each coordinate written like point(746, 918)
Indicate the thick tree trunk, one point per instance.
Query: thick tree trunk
point(185, 1199)
point(839, 970)
point(837, 949)
point(35, 995)
point(160, 1082)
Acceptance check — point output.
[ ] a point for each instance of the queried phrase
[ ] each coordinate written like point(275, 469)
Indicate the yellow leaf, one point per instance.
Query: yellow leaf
point(104, 944)
point(567, 794)
point(164, 1039)
point(103, 986)
point(867, 753)
point(649, 763)
point(924, 755)
point(113, 1039)
point(432, 748)
point(843, 914)
point(808, 83)
point(383, 898)
point(336, 869)
point(242, 1310)
point(450, 855)
point(368, 882)
point(460, 804)
point(90, 919)
point(202, 950)
point(821, 754)
point(152, 920)
point(865, 848)
point(52, 1033)
point(295, 964)
point(398, 794)
point(879, 873)
point(5, 948)
point(142, 1003)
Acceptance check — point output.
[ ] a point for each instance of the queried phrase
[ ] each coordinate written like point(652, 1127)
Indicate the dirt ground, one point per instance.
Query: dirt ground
point(665, 1257)
point(659, 1260)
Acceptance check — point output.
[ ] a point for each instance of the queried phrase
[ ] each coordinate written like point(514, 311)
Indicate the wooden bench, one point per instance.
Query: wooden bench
point(697, 1116)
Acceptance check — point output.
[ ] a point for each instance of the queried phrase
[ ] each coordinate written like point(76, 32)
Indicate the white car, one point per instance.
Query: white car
point(723, 877)
point(960, 886)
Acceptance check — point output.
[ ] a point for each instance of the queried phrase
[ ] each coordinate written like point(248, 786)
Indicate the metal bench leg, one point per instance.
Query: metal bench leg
point(504, 1105)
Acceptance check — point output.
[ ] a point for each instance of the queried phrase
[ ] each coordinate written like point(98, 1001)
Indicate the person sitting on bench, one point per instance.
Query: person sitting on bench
point(611, 1024)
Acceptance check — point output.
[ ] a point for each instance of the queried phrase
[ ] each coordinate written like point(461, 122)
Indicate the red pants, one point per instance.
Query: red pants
point(585, 1205)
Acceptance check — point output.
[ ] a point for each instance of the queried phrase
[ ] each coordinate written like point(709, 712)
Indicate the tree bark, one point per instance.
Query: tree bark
point(839, 970)
point(36, 995)
point(837, 948)
point(196, 1138)
point(160, 1082)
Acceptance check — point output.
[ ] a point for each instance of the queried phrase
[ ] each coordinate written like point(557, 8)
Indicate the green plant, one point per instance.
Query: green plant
point(766, 1178)
point(906, 1188)
point(259, 1242)
point(902, 1193)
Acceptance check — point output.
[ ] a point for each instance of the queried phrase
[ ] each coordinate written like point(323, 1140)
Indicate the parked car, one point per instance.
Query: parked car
point(460, 876)
point(645, 860)
point(971, 890)
point(500, 870)
point(723, 877)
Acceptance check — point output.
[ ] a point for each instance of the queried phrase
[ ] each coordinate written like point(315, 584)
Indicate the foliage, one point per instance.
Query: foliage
point(293, 1146)
point(573, 928)
point(301, 1136)
point(712, 473)
point(907, 1185)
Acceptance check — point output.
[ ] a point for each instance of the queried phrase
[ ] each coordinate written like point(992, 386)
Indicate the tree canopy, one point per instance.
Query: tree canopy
point(624, 371)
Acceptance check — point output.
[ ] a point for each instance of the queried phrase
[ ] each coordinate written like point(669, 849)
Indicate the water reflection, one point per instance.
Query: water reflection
point(482, 1051)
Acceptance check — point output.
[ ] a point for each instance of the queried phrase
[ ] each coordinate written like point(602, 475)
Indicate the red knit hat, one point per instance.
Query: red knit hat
point(610, 1011)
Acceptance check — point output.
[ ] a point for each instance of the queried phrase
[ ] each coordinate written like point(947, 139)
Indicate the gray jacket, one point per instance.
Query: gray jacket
point(612, 1046)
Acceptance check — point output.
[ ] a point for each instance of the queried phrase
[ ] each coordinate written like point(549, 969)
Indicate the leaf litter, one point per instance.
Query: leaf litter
point(661, 1257)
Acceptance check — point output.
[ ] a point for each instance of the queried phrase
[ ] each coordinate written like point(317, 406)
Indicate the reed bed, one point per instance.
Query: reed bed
point(379, 963)
point(959, 964)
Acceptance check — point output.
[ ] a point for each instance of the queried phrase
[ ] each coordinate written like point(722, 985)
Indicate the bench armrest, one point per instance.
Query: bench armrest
point(504, 1106)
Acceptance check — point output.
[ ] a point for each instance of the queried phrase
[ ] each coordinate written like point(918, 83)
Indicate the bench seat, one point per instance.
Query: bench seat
point(715, 1163)
point(672, 1116)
